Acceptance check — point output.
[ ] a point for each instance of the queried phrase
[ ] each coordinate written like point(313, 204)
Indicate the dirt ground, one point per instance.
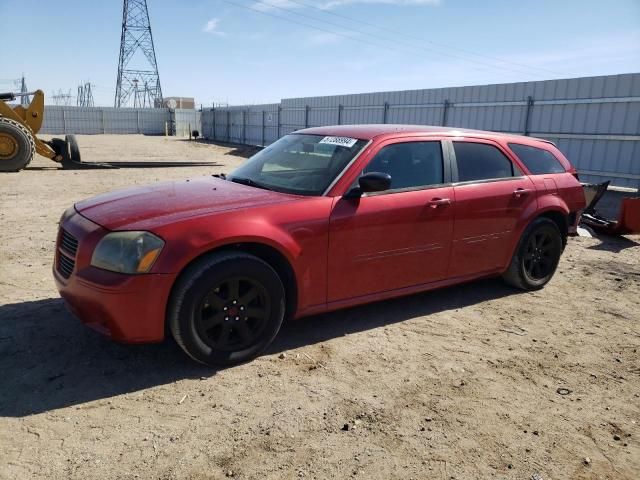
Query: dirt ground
point(462, 383)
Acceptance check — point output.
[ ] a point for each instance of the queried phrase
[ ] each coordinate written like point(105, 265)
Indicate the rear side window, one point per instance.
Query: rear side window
point(537, 160)
point(479, 161)
point(411, 164)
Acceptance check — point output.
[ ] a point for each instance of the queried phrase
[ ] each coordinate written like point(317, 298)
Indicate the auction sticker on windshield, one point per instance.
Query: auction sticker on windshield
point(340, 141)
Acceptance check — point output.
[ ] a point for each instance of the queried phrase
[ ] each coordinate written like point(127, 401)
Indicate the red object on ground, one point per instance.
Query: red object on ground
point(342, 251)
point(628, 219)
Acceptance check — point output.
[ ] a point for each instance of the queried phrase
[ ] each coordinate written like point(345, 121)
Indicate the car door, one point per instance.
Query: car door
point(491, 196)
point(399, 237)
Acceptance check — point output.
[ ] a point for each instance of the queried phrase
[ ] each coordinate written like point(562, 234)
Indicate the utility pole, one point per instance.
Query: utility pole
point(136, 38)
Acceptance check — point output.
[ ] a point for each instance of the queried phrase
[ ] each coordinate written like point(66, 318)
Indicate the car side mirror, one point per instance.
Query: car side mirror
point(370, 182)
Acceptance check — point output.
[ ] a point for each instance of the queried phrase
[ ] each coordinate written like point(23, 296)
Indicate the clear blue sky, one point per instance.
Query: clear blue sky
point(215, 51)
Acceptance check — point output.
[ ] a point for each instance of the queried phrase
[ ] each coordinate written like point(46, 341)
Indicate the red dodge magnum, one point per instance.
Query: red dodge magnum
point(322, 219)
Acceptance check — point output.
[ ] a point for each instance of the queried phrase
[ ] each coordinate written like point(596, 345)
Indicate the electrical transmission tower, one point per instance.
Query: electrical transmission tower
point(85, 97)
point(139, 81)
point(61, 98)
point(25, 100)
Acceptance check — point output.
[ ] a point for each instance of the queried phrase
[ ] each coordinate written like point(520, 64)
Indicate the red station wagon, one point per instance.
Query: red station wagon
point(322, 219)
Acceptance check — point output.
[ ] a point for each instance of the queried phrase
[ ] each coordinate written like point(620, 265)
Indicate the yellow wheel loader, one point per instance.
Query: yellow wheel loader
point(18, 141)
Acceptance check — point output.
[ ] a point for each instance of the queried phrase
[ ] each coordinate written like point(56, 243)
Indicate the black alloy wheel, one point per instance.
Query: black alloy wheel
point(234, 313)
point(537, 255)
point(226, 308)
point(541, 254)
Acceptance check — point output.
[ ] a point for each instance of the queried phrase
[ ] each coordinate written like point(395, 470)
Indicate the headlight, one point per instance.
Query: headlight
point(127, 252)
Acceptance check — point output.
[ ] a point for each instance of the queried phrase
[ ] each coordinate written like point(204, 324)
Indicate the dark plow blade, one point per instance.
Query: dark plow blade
point(71, 165)
point(628, 220)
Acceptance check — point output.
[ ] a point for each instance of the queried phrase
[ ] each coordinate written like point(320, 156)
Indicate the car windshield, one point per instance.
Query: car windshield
point(298, 163)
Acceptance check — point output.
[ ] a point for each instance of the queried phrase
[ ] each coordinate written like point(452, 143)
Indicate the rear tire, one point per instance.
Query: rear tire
point(536, 257)
point(61, 148)
point(17, 146)
point(226, 308)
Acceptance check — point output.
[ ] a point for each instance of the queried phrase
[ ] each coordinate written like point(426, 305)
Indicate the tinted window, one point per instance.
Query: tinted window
point(479, 161)
point(537, 160)
point(411, 164)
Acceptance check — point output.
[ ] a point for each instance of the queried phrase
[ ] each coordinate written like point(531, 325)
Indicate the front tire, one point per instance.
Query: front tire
point(17, 146)
point(226, 308)
point(536, 258)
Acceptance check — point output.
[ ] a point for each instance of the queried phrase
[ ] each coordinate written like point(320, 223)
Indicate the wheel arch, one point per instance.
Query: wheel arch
point(555, 213)
point(560, 218)
point(267, 253)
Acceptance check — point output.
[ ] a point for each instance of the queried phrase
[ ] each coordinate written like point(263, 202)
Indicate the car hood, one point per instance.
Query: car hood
point(158, 204)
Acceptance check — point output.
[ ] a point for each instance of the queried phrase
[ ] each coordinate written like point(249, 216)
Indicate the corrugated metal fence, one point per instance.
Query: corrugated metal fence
point(60, 120)
point(595, 121)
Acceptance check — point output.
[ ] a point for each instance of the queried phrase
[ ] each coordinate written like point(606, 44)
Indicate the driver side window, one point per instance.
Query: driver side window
point(410, 164)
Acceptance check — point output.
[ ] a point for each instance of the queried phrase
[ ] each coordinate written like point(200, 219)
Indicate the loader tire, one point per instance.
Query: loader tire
point(17, 146)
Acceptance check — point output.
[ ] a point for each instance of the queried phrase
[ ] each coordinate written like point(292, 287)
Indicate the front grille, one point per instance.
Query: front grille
point(67, 248)
point(65, 265)
point(68, 243)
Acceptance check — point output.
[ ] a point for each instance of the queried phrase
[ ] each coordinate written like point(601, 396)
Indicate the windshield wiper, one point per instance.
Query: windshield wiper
point(248, 181)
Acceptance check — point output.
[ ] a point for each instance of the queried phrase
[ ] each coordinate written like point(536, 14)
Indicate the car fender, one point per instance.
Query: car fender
point(204, 238)
point(545, 203)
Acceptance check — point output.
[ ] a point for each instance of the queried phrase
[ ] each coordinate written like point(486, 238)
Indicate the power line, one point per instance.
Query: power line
point(350, 37)
point(407, 35)
point(307, 25)
point(405, 44)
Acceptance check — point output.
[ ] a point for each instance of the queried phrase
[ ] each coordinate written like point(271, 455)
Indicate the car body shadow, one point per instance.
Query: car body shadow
point(49, 360)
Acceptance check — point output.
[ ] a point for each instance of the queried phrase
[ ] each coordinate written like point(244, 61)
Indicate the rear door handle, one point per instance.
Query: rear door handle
point(438, 202)
point(519, 192)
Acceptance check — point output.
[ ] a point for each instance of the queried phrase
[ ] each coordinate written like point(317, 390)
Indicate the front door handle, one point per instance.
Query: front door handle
point(519, 192)
point(438, 202)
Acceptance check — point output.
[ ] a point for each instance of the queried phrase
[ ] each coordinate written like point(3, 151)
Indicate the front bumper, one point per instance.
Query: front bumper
point(127, 308)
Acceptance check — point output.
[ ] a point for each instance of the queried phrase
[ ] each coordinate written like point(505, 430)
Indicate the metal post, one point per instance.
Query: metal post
point(445, 112)
point(244, 127)
point(385, 112)
point(527, 114)
point(340, 107)
point(228, 125)
point(102, 119)
point(306, 116)
point(138, 120)
point(213, 124)
point(173, 126)
point(279, 112)
point(64, 122)
point(262, 139)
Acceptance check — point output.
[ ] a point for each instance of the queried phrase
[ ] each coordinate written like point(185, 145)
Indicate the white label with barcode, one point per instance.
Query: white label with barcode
point(340, 141)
